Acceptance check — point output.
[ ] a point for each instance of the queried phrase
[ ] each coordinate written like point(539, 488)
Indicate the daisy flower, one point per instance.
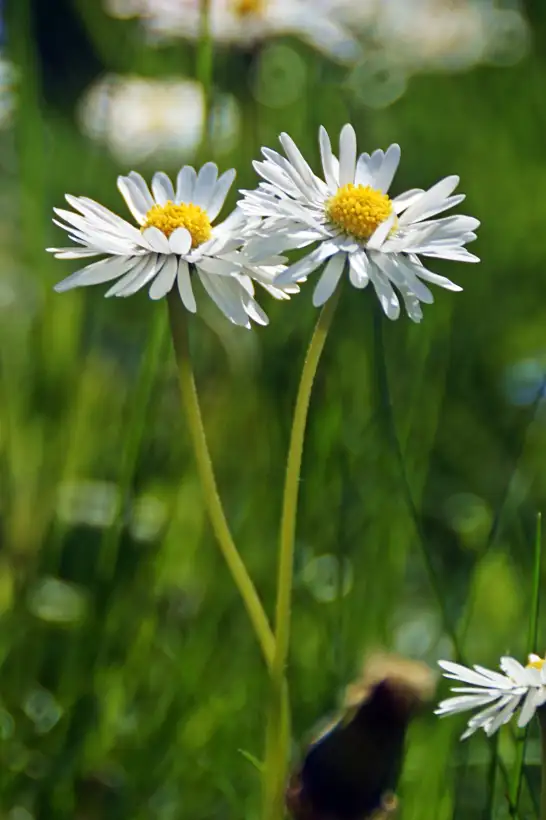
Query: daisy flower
point(324, 24)
point(174, 240)
point(353, 224)
point(501, 694)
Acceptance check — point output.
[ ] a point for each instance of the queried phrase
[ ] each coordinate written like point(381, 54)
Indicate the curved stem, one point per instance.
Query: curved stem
point(190, 401)
point(278, 733)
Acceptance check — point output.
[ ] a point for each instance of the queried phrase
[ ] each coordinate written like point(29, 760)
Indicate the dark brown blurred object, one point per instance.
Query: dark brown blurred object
point(351, 771)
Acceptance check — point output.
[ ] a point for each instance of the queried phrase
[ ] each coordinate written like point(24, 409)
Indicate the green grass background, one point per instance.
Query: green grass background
point(130, 680)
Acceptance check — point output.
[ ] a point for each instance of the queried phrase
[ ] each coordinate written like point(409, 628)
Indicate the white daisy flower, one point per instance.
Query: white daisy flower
point(354, 224)
point(501, 695)
point(175, 239)
point(321, 23)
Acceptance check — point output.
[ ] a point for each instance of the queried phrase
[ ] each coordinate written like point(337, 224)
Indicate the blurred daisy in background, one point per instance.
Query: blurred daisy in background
point(324, 24)
point(442, 34)
point(501, 695)
point(138, 117)
point(175, 238)
point(354, 225)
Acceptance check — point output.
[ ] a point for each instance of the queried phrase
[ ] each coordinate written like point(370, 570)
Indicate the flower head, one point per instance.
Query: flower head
point(353, 223)
point(501, 695)
point(175, 238)
point(324, 24)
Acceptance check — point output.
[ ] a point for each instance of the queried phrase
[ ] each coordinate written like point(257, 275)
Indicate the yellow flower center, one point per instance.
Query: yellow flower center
point(170, 216)
point(245, 8)
point(535, 662)
point(358, 210)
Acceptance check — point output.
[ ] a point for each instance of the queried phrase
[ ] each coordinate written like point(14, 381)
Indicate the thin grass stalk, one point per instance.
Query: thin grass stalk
point(390, 426)
point(532, 637)
point(132, 440)
point(278, 732)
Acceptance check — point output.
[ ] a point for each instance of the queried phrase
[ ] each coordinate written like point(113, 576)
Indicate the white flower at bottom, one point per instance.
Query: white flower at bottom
point(354, 224)
point(175, 238)
point(501, 695)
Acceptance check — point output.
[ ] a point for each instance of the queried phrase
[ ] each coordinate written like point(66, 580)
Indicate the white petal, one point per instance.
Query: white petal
point(529, 707)
point(303, 267)
point(140, 182)
point(134, 198)
point(221, 190)
point(384, 177)
point(358, 270)
point(386, 295)
point(503, 717)
point(296, 158)
point(403, 201)
point(400, 271)
point(457, 671)
point(219, 267)
point(434, 278)
point(226, 293)
point(464, 703)
point(164, 280)
point(330, 165)
point(154, 263)
point(380, 234)
point(204, 187)
point(347, 155)
point(436, 194)
point(180, 241)
point(362, 173)
point(514, 669)
point(457, 254)
point(156, 239)
point(162, 188)
point(98, 272)
point(118, 289)
point(184, 286)
point(185, 184)
point(329, 280)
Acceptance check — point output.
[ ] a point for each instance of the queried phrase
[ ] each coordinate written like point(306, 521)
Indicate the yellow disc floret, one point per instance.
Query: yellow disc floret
point(245, 8)
point(358, 210)
point(169, 217)
point(535, 662)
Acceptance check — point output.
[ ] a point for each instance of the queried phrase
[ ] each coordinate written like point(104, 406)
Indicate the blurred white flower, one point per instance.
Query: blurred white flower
point(138, 117)
point(354, 225)
point(175, 240)
point(440, 34)
point(321, 23)
point(501, 695)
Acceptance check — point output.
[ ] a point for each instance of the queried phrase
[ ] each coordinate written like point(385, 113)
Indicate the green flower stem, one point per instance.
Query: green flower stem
point(190, 401)
point(278, 732)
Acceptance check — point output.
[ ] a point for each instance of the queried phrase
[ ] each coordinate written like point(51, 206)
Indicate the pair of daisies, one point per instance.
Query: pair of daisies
point(344, 221)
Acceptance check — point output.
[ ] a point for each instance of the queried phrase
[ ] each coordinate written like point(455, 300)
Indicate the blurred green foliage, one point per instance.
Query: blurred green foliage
point(131, 684)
